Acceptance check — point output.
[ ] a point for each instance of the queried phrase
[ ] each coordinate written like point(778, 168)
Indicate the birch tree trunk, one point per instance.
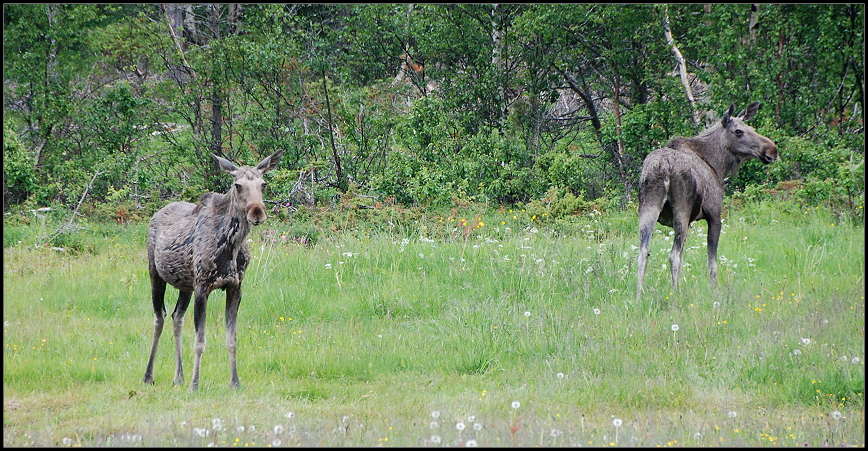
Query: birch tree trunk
point(753, 24)
point(342, 184)
point(497, 61)
point(50, 78)
point(216, 95)
point(619, 154)
point(682, 66)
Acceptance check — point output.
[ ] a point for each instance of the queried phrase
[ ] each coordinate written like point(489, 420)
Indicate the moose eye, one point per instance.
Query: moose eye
point(238, 187)
point(264, 185)
point(739, 133)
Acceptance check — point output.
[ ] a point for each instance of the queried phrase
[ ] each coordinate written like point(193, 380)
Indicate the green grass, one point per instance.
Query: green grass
point(365, 333)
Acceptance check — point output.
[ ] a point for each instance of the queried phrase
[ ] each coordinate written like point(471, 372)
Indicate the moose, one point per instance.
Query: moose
point(682, 182)
point(201, 248)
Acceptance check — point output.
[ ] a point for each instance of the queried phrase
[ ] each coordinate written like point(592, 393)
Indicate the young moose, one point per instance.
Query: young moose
point(683, 182)
point(200, 248)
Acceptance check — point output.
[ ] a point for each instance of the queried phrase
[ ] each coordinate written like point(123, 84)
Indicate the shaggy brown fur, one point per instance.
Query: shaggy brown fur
point(201, 248)
point(683, 182)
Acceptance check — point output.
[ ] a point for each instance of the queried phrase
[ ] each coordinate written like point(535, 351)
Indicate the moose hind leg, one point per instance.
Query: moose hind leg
point(233, 301)
point(650, 206)
point(178, 329)
point(646, 228)
point(676, 255)
point(158, 292)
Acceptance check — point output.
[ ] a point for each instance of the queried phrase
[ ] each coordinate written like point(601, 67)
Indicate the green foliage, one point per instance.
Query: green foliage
point(778, 61)
point(19, 175)
point(815, 173)
point(559, 204)
point(426, 104)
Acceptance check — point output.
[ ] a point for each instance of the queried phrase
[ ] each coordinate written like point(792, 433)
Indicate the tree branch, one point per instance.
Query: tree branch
point(67, 225)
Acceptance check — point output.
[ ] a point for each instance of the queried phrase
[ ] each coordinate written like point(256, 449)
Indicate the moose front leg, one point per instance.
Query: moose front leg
point(200, 303)
point(233, 301)
point(178, 329)
point(158, 291)
point(714, 226)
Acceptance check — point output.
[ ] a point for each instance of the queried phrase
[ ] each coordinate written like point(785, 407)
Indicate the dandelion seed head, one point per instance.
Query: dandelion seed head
point(836, 415)
point(617, 422)
point(435, 414)
point(843, 358)
point(560, 375)
point(855, 361)
point(240, 428)
point(732, 414)
point(806, 341)
point(290, 415)
point(460, 426)
point(675, 328)
point(477, 427)
point(797, 352)
point(470, 443)
point(471, 418)
point(527, 314)
point(435, 438)
point(278, 429)
point(596, 311)
point(276, 442)
point(715, 304)
point(67, 441)
point(516, 404)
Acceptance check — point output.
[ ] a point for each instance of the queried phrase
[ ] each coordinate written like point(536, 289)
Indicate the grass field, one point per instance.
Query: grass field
point(477, 327)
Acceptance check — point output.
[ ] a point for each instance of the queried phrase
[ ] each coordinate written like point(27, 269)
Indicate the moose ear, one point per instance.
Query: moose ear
point(727, 115)
point(749, 112)
point(225, 164)
point(270, 162)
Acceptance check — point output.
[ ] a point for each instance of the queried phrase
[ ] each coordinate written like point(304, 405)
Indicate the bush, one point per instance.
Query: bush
point(558, 204)
point(19, 176)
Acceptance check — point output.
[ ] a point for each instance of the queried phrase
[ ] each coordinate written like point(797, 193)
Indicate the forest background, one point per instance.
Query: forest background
point(113, 110)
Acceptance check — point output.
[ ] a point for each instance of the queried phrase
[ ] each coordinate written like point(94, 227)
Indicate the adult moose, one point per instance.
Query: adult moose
point(200, 248)
point(683, 182)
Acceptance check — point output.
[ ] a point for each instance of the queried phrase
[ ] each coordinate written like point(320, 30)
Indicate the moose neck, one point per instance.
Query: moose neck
point(712, 146)
point(233, 216)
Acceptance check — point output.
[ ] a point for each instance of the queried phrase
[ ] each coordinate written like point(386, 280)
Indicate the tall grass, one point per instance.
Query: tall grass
point(395, 334)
